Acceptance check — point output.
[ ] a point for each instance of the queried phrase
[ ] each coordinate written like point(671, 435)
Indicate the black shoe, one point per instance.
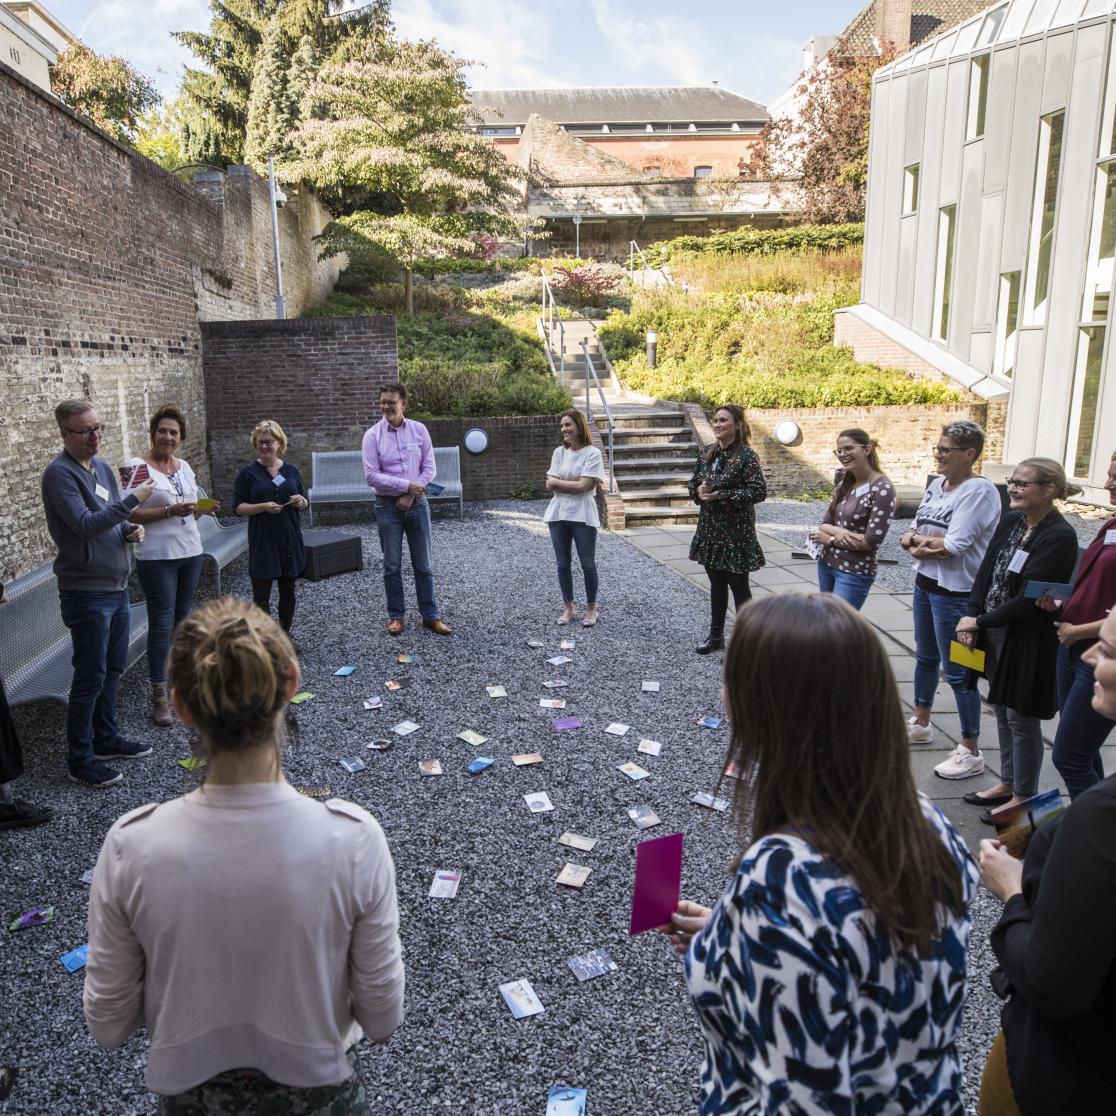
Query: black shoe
point(975, 798)
point(93, 773)
point(123, 749)
point(20, 813)
point(715, 641)
point(986, 817)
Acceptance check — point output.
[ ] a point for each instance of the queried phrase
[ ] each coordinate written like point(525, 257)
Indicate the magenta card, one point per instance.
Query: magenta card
point(658, 877)
point(566, 723)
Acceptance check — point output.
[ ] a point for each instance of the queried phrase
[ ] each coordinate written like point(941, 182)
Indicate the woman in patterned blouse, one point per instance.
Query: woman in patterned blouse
point(856, 521)
point(727, 483)
point(830, 976)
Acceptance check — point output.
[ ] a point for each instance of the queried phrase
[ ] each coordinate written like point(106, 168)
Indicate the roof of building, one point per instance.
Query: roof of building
point(46, 25)
point(668, 104)
point(928, 17)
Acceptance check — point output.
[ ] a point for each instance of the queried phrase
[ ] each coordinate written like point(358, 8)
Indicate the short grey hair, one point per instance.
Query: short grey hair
point(967, 434)
point(68, 408)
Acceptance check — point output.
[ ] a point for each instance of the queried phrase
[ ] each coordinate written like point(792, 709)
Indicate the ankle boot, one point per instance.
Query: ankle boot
point(160, 706)
point(715, 641)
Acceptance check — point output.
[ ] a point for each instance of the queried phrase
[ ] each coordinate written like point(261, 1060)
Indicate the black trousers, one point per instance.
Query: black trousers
point(261, 594)
point(720, 582)
point(11, 754)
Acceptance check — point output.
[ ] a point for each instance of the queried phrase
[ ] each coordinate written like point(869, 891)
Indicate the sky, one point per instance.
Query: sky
point(752, 47)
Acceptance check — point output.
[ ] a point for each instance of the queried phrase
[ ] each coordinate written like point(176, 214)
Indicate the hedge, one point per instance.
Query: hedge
point(759, 242)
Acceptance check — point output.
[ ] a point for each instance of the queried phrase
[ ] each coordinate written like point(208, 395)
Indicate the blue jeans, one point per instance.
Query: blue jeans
point(850, 587)
point(935, 626)
point(392, 524)
point(564, 535)
point(98, 624)
point(1081, 729)
point(169, 585)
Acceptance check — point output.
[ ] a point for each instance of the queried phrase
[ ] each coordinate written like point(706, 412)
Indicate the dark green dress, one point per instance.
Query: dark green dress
point(726, 529)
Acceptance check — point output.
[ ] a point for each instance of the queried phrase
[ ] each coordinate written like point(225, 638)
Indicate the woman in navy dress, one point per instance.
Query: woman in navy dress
point(270, 492)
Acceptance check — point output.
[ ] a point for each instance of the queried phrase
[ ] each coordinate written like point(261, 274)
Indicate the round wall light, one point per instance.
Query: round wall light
point(476, 440)
point(787, 433)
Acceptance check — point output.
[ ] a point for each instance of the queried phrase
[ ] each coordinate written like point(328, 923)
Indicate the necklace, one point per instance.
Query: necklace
point(168, 470)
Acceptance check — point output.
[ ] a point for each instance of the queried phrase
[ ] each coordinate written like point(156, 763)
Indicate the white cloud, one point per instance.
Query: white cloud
point(662, 44)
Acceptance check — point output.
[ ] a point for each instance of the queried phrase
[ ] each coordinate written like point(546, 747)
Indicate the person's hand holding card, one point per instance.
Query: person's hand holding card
point(689, 919)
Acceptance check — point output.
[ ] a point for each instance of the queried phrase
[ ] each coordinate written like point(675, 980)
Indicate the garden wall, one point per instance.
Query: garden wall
point(107, 266)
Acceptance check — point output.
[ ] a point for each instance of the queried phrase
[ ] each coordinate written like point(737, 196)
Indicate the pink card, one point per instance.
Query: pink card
point(658, 878)
point(566, 723)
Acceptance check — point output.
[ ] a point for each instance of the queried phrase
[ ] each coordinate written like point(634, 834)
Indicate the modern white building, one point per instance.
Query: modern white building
point(991, 223)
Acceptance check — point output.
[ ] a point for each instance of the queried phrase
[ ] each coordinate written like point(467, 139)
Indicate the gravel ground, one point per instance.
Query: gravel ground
point(630, 1037)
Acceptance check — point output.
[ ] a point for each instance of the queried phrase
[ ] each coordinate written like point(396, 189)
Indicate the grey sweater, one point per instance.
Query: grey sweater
point(87, 529)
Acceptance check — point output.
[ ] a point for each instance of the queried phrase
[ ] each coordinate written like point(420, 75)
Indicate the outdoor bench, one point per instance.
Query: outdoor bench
point(221, 544)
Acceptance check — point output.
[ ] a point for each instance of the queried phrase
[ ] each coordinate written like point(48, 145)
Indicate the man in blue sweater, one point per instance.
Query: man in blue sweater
point(89, 524)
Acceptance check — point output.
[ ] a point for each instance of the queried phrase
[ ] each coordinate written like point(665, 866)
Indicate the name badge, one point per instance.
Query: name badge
point(862, 490)
point(277, 481)
point(413, 446)
point(1110, 537)
point(101, 492)
point(1018, 560)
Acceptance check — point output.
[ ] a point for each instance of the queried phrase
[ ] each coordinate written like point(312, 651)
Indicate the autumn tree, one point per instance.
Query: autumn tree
point(109, 91)
point(393, 118)
point(822, 152)
point(159, 134)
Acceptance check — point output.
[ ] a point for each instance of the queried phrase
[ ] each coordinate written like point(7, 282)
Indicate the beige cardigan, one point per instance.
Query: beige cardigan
point(247, 926)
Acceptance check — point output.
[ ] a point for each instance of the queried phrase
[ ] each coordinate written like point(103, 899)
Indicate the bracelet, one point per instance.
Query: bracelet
point(166, 513)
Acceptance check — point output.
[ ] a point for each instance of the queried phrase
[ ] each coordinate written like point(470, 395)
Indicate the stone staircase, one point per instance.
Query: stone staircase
point(569, 365)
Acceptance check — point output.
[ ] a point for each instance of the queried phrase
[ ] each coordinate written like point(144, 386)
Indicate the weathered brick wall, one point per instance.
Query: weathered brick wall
point(107, 265)
point(872, 347)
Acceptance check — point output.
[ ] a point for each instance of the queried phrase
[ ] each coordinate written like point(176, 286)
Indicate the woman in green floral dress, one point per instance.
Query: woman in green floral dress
point(727, 483)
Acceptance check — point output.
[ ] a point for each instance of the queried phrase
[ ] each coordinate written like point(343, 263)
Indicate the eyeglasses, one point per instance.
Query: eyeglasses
point(1013, 483)
point(846, 452)
point(87, 432)
point(941, 451)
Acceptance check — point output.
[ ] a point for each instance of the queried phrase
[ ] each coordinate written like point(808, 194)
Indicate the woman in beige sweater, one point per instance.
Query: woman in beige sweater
point(254, 931)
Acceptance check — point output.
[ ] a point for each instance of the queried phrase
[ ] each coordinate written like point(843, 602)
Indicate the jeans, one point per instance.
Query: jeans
point(564, 535)
point(720, 581)
point(1020, 750)
point(169, 585)
point(850, 587)
point(392, 524)
point(98, 624)
point(935, 626)
point(1081, 729)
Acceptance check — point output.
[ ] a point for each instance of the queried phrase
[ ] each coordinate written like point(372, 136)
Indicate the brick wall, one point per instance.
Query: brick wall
point(873, 347)
point(107, 265)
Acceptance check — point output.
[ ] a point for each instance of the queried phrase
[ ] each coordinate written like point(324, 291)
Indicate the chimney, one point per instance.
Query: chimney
point(893, 23)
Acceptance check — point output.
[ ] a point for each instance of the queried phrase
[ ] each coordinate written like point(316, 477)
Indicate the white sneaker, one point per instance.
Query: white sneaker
point(961, 764)
point(919, 734)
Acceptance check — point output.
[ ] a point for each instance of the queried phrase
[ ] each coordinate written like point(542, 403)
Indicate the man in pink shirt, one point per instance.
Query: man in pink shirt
point(398, 465)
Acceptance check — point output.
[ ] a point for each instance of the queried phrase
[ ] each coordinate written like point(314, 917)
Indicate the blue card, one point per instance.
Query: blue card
point(435, 489)
point(1056, 590)
point(479, 764)
point(711, 722)
point(75, 959)
point(345, 671)
point(562, 1100)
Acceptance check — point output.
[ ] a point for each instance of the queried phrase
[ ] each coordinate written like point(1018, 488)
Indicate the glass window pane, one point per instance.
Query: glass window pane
point(944, 45)
point(1015, 20)
point(1088, 374)
point(943, 280)
point(967, 35)
point(1049, 185)
point(1066, 13)
point(1099, 286)
point(910, 189)
point(1041, 15)
point(1007, 324)
point(991, 27)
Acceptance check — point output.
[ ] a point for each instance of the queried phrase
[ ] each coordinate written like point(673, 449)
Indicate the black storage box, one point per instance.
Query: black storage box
point(331, 552)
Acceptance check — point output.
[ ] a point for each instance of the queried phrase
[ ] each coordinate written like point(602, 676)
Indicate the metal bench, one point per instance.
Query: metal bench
point(337, 477)
point(36, 651)
point(221, 543)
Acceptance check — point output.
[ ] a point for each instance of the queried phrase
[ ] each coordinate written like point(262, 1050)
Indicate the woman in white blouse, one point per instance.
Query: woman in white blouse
point(254, 931)
point(575, 471)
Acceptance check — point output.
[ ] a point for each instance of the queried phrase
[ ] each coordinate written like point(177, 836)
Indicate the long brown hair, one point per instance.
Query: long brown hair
point(862, 438)
point(579, 421)
point(824, 752)
point(742, 434)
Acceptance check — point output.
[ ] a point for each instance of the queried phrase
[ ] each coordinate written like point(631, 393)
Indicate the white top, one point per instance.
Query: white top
point(568, 464)
point(246, 926)
point(966, 516)
point(176, 537)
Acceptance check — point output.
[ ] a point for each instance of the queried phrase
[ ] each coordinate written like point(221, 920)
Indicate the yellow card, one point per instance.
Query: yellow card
point(207, 505)
point(963, 656)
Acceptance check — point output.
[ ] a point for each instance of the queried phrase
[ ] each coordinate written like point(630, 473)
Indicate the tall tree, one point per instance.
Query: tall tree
point(822, 153)
point(106, 89)
point(159, 134)
point(271, 113)
point(393, 117)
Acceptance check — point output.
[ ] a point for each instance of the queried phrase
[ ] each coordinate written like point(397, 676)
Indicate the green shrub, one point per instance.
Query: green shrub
point(526, 491)
point(763, 242)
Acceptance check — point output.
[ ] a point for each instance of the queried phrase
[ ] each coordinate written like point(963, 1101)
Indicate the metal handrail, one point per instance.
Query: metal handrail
point(635, 250)
point(590, 371)
point(550, 315)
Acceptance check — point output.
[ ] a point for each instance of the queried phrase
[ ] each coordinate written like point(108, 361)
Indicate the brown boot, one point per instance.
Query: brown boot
point(160, 706)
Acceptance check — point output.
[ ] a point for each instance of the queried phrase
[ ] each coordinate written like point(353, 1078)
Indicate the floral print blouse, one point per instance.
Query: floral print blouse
point(725, 538)
point(867, 510)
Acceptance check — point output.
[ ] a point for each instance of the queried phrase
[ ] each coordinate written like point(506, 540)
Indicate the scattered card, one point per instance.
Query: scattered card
point(345, 671)
point(555, 683)
point(566, 723)
point(316, 792)
point(573, 875)
point(406, 659)
point(535, 643)
point(567, 645)
point(75, 959)
point(404, 728)
point(650, 747)
point(298, 699)
point(521, 999)
point(523, 759)
point(192, 763)
point(379, 745)
point(658, 878)
point(87, 876)
point(576, 841)
point(617, 729)
point(732, 770)
point(445, 885)
point(36, 916)
point(352, 764)
point(538, 802)
point(552, 703)
point(394, 684)
point(496, 691)
point(471, 737)
point(595, 963)
point(475, 767)
point(633, 771)
point(430, 767)
point(562, 1100)
point(559, 660)
point(374, 702)
point(710, 722)
point(643, 817)
point(649, 687)
point(711, 802)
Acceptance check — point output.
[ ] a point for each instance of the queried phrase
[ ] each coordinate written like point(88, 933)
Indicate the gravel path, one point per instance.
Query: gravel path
point(630, 1036)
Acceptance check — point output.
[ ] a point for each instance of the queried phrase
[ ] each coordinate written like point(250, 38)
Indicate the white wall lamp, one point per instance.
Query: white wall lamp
point(475, 440)
point(787, 433)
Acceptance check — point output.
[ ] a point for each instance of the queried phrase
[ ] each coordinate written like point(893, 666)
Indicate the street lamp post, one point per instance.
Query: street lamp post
point(277, 198)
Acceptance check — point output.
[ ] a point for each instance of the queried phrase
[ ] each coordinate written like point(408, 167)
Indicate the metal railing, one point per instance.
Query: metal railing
point(635, 250)
point(552, 316)
point(591, 374)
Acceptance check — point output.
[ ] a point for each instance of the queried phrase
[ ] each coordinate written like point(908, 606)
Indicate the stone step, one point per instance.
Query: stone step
point(676, 497)
point(651, 516)
point(659, 450)
point(634, 480)
point(665, 433)
point(630, 465)
point(654, 418)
